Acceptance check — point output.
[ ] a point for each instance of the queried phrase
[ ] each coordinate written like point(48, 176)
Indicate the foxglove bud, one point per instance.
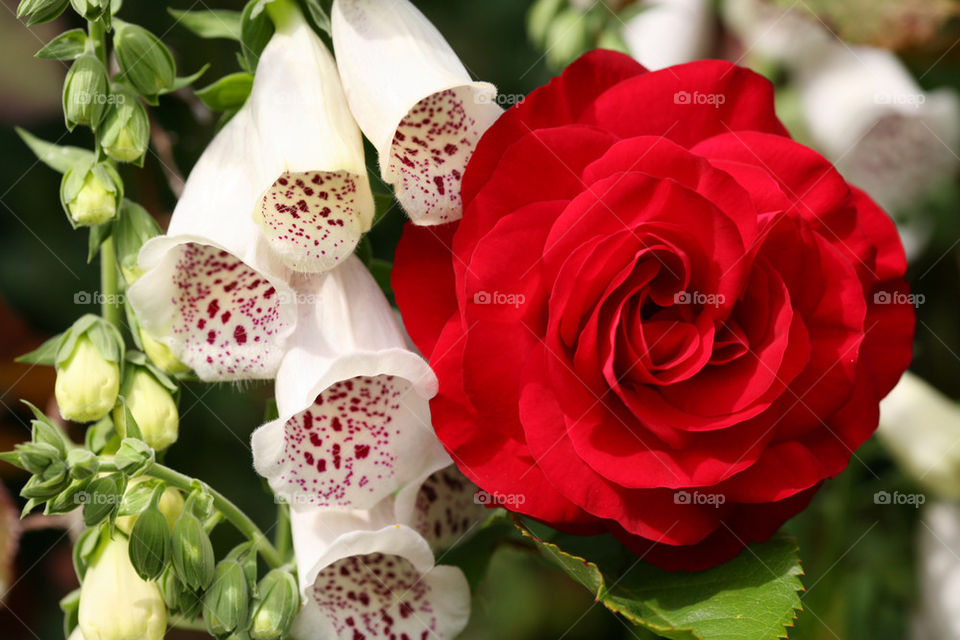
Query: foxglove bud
point(192, 555)
point(116, 603)
point(226, 603)
point(170, 505)
point(87, 383)
point(133, 457)
point(152, 407)
point(83, 463)
point(161, 355)
point(86, 92)
point(90, 194)
point(144, 61)
point(126, 131)
point(39, 11)
point(277, 604)
point(150, 543)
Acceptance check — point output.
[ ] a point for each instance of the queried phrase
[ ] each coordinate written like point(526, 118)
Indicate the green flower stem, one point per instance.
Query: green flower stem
point(282, 539)
point(110, 308)
point(230, 511)
point(98, 36)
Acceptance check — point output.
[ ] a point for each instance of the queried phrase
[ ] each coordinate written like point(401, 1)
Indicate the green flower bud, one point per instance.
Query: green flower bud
point(152, 407)
point(86, 93)
point(37, 456)
point(125, 135)
point(38, 11)
point(83, 463)
point(87, 383)
point(567, 38)
point(69, 499)
point(116, 603)
point(226, 603)
point(144, 61)
point(48, 483)
point(150, 543)
point(100, 499)
point(90, 194)
point(133, 457)
point(90, 9)
point(161, 355)
point(170, 505)
point(276, 606)
point(192, 552)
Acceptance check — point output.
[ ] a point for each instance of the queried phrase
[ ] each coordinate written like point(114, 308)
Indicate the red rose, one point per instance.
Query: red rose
point(659, 316)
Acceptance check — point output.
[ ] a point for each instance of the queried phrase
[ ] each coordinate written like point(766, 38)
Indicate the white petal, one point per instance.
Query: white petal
point(865, 111)
point(939, 569)
point(354, 420)
point(413, 99)
point(920, 426)
point(444, 509)
point(374, 584)
point(219, 316)
point(318, 201)
point(669, 32)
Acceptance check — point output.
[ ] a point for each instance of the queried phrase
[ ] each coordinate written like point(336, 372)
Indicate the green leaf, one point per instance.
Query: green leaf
point(380, 270)
point(186, 81)
point(98, 233)
point(69, 45)
point(44, 354)
point(256, 29)
point(228, 93)
point(383, 204)
point(755, 595)
point(60, 159)
point(40, 11)
point(137, 498)
point(319, 15)
point(211, 23)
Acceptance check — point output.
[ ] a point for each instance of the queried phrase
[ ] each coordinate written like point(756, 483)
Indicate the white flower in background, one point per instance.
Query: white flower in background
point(938, 555)
point(865, 112)
point(372, 574)
point(669, 32)
point(281, 190)
point(414, 100)
point(861, 108)
point(353, 402)
point(921, 428)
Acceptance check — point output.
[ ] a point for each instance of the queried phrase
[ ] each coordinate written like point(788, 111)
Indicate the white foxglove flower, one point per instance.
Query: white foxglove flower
point(865, 112)
point(669, 32)
point(281, 190)
point(373, 582)
point(354, 421)
point(921, 428)
point(413, 99)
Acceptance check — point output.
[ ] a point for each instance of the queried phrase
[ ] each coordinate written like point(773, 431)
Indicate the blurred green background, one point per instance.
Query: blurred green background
point(857, 555)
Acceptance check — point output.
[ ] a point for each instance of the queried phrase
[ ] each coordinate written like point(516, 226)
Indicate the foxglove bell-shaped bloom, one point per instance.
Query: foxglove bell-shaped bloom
point(354, 421)
point(364, 576)
point(282, 190)
point(413, 99)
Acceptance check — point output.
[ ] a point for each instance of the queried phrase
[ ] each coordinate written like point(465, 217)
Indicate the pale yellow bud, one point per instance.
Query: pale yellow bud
point(170, 505)
point(87, 383)
point(93, 204)
point(116, 603)
point(153, 409)
point(161, 355)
